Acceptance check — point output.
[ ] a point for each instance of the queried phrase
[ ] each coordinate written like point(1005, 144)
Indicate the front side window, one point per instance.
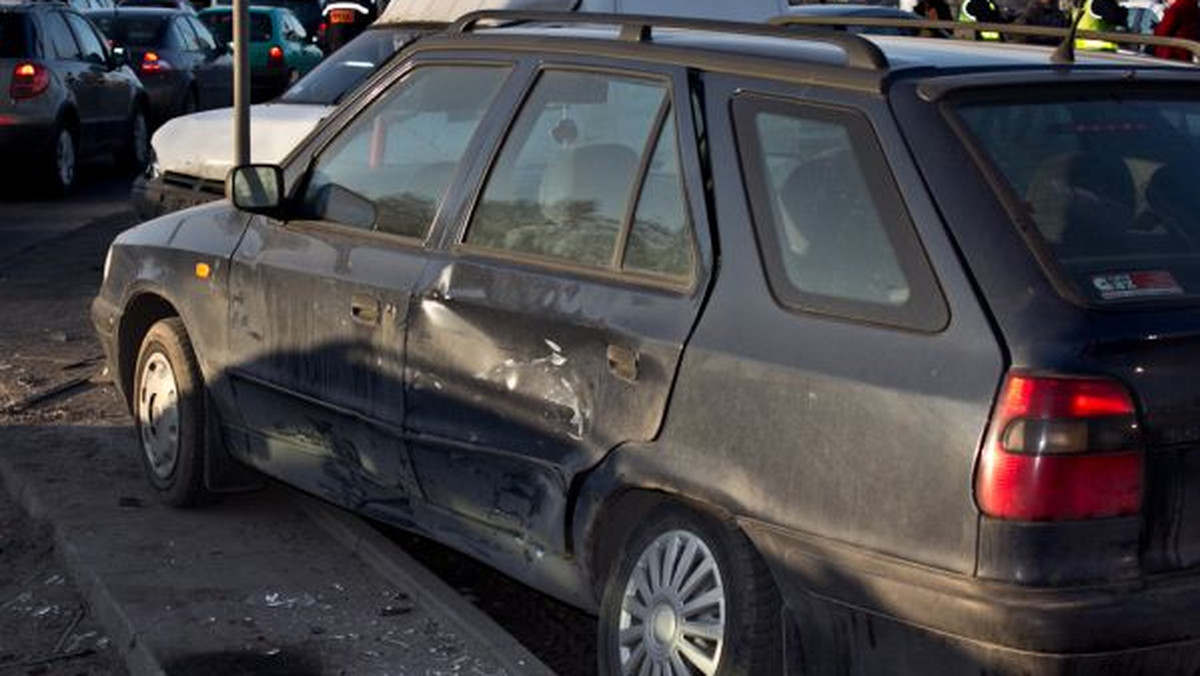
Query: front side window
point(833, 230)
point(565, 180)
point(390, 167)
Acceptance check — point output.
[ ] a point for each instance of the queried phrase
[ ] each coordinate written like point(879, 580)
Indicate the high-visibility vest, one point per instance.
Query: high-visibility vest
point(964, 15)
point(1094, 22)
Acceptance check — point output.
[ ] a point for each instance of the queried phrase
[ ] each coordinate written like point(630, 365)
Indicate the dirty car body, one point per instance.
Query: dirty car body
point(857, 311)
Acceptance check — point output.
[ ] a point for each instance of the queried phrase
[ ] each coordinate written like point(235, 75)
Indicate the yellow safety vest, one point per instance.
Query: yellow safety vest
point(965, 16)
point(1093, 22)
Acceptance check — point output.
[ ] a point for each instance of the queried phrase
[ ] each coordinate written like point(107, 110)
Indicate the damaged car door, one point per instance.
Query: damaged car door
point(319, 302)
point(550, 330)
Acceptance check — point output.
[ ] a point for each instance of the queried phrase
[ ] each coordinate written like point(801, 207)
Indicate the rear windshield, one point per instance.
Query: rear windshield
point(1110, 186)
point(12, 35)
point(343, 70)
point(221, 25)
point(135, 31)
point(308, 11)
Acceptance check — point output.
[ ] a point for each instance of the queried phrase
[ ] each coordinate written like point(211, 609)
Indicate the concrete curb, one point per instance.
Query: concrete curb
point(395, 565)
point(104, 607)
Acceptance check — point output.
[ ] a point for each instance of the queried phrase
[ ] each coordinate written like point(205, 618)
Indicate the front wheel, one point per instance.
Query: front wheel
point(168, 407)
point(135, 155)
point(689, 597)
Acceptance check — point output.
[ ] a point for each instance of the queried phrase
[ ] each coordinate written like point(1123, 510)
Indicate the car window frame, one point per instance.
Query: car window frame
point(929, 312)
point(304, 161)
point(202, 33)
point(670, 77)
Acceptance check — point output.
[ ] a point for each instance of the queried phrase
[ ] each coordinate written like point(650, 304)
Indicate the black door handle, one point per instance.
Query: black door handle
point(364, 309)
point(623, 362)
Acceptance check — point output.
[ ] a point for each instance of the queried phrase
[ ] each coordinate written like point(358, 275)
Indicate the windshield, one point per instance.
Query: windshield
point(12, 35)
point(134, 31)
point(221, 25)
point(343, 70)
point(1108, 183)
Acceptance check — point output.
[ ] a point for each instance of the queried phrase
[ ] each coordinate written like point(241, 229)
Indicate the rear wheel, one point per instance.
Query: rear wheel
point(168, 407)
point(62, 163)
point(690, 597)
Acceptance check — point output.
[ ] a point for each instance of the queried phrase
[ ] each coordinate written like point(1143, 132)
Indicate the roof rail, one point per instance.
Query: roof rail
point(963, 29)
point(860, 53)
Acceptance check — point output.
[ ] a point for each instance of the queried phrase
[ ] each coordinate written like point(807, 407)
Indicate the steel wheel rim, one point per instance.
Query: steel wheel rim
point(64, 156)
point(158, 414)
point(673, 610)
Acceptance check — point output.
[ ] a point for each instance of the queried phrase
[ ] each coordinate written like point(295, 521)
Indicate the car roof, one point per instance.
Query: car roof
point(125, 10)
point(852, 10)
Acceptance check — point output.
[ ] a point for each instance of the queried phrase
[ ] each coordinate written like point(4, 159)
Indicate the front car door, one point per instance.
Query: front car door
point(319, 304)
point(550, 330)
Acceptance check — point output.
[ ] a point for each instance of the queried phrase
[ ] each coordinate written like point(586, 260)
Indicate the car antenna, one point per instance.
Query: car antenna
point(1065, 52)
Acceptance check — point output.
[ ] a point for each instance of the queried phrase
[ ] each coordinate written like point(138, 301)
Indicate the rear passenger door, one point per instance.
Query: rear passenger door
point(107, 93)
point(550, 331)
point(58, 42)
point(214, 70)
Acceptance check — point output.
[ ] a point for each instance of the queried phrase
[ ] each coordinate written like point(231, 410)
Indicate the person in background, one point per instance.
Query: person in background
point(1043, 13)
point(1101, 15)
point(934, 10)
point(981, 11)
point(1181, 20)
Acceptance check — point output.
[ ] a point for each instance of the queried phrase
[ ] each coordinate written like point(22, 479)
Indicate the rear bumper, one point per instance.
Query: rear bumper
point(877, 615)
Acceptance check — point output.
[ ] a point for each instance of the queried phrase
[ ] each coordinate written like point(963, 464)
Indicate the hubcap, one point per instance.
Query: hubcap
point(158, 414)
point(673, 611)
point(64, 158)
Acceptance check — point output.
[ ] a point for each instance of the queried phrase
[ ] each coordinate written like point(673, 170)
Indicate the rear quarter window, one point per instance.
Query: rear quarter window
point(1108, 185)
point(834, 233)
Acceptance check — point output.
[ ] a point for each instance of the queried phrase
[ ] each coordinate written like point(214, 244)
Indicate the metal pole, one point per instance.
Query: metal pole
point(241, 82)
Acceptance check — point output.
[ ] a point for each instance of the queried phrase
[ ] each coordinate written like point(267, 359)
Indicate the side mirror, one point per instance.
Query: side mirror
point(117, 58)
point(256, 188)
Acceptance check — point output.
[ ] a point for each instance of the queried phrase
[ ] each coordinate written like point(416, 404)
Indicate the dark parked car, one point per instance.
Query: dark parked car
point(783, 351)
point(68, 96)
point(178, 60)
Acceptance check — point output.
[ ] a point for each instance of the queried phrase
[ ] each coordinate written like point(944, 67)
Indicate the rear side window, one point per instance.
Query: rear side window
point(589, 175)
point(134, 31)
point(221, 26)
point(1108, 184)
point(834, 233)
point(14, 42)
point(57, 39)
point(89, 42)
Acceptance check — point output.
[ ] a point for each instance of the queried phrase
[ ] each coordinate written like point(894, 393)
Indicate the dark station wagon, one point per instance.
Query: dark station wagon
point(783, 350)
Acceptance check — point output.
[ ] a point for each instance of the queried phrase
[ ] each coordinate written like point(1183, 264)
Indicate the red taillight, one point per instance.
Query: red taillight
point(275, 55)
point(1061, 449)
point(28, 80)
point(153, 63)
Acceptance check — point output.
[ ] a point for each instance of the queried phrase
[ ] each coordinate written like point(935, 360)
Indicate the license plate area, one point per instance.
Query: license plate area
point(341, 16)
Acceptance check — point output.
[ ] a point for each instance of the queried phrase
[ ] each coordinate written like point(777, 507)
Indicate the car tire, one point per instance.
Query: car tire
point(689, 594)
point(62, 165)
point(170, 414)
point(135, 155)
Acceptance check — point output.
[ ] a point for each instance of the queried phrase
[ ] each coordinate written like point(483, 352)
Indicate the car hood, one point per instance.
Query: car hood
point(201, 144)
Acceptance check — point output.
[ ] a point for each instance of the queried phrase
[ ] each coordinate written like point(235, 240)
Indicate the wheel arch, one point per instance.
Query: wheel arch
point(615, 497)
point(141, 311)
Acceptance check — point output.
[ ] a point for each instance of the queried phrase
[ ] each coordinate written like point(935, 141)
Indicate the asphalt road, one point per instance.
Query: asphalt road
point(27, 218)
